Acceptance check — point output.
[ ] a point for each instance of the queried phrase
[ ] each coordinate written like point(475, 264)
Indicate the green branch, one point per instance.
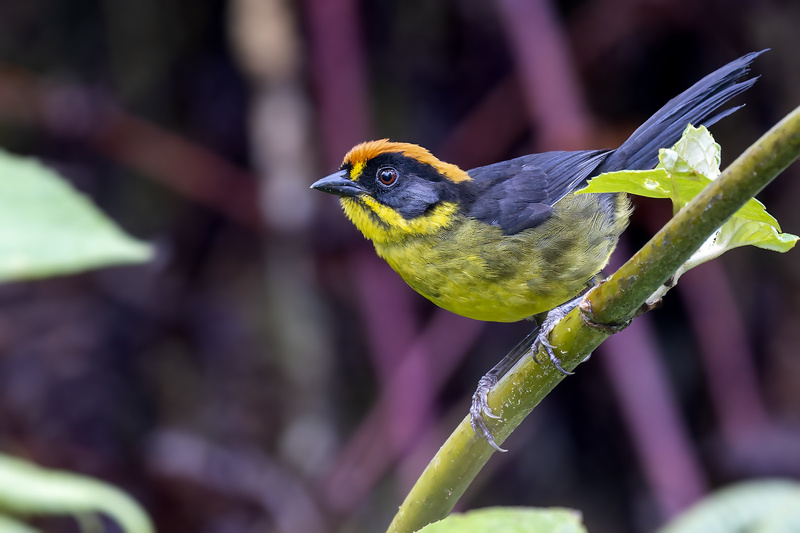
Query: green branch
point(615, 301)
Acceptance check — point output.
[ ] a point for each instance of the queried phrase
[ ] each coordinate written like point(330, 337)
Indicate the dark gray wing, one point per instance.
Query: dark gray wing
point(520, 193)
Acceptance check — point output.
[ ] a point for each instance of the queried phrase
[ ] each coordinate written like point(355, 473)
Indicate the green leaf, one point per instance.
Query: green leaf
point(26, 489)
point(783, 518)
point(48, 228)
point(767, 506)
point(510, 520)
point(681, 174)
point(9, 525)
point(650, 183)
point(741, 232)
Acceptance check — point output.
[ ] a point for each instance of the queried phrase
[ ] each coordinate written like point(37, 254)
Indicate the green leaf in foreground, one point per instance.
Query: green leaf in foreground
point(26, 489)
point(8, 525)
point(681, 174)
point(510, 520)
point(766, 506)
point(48, 228)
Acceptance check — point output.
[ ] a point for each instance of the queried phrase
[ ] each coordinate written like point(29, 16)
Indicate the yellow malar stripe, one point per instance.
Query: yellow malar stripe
point(383, 224)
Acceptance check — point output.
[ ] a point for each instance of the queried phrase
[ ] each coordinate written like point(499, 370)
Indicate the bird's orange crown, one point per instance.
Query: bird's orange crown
point(358, 156)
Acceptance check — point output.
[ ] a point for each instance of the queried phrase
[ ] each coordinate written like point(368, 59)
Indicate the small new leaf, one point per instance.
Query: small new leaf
point(681, 174)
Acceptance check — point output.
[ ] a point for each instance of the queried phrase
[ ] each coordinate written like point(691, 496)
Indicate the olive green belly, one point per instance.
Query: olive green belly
point(474, 270)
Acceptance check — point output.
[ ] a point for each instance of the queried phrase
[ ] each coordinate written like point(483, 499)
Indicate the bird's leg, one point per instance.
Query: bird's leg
point(537, 337)
point(480, 404)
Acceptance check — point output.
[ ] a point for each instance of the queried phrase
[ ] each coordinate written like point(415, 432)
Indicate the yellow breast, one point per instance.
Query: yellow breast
point(473, 269)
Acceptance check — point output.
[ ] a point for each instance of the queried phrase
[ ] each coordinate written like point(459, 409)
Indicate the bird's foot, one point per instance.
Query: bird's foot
point(553, 317)
point(480, 408)
point(480, 400)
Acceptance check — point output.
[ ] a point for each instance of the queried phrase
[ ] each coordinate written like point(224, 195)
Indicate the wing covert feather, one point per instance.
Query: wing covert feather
point(520, 193)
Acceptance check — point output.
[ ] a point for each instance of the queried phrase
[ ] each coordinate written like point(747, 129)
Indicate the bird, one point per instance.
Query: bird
point(510, 240)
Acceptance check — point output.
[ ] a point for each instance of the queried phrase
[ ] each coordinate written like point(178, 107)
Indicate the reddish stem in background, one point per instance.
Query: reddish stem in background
point(388, 311)
point(194, 172)
point(185, 167)
point(339, 76)
point(386, 433)
point(651, 413)
point(468, 144)
point(660, 438)
point(724, 348)
point(552, 91)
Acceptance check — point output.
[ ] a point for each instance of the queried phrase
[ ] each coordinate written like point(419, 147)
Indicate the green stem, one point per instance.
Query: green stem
point(615, 301)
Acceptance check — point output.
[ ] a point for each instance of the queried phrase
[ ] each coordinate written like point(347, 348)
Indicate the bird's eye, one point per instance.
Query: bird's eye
point(387, 176)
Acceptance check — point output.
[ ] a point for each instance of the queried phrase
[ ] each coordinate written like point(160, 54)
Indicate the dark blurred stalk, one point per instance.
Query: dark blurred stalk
point(725, 349)
point(268, 48)
point(469, 146)
point(387, 345)
point(189, 169)
point(339, 76)
point(661, 440)
point(238, 471)
point(552, 91)
point(397, 419)
point(651, 413)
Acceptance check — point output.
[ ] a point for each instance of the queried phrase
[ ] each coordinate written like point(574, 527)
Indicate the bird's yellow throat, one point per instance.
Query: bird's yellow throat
point(382, 224)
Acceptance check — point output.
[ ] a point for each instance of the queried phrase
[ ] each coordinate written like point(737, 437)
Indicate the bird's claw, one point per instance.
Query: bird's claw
point(541, 341)
point(480, 404)
point(480, 407)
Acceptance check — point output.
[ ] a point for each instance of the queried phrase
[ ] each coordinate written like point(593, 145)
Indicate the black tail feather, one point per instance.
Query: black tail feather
point(696, 106)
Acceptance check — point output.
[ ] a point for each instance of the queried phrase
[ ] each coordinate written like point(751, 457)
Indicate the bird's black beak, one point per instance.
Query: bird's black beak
point(339, 184)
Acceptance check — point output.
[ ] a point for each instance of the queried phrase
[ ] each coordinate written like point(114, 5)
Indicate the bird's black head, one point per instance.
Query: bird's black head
point(386, 186)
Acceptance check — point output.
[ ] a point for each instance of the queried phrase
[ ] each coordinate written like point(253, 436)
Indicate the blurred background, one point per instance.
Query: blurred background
point(267, 372)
